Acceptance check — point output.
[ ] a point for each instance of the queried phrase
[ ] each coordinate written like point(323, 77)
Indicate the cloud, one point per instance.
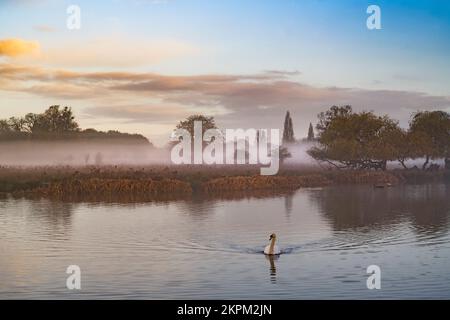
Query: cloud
point(156, 113)
point(236, 100)
point(18, 47)
point(285, 73)
point(44, 28)
point(64, 91)
point(115, 52)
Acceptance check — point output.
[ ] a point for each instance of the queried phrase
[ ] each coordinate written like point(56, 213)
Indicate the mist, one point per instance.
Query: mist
point(80, 153)
point(86, 153)
point(299, 154)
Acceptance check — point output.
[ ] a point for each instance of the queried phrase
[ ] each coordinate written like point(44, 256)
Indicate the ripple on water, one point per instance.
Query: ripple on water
point(215, 249)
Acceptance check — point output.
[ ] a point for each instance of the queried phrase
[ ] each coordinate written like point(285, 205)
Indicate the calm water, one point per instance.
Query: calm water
point(212, 248)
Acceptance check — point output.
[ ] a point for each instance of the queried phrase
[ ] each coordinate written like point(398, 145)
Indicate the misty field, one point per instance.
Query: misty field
point(50, 155)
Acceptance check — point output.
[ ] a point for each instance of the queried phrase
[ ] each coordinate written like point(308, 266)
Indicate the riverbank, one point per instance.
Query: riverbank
point(163, 182)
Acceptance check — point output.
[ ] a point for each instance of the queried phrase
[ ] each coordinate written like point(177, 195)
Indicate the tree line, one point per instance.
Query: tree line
point(346, 139)
point(56, 123)
point(363, 140)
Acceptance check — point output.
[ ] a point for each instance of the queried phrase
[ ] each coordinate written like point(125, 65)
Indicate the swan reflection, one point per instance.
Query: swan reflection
point(273, 268)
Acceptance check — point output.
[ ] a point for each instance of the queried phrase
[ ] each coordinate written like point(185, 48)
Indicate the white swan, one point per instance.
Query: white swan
point(272, 249)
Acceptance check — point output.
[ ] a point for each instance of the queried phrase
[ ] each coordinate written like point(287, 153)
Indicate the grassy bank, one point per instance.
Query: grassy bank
point(245, 183)
point(158, 182)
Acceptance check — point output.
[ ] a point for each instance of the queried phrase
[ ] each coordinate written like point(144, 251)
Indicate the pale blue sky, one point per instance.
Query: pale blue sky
point(326, 41)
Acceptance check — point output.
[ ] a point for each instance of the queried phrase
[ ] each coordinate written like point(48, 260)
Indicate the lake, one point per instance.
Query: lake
point(212, 248)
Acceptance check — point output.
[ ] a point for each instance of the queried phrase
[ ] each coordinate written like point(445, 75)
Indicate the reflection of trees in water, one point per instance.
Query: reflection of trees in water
point(123, 198)
point(203, 205)
point(288, 203)
point(430, 209)
point(198, 206)
point(246, 194)
point(167, 198)
point(426, 206)
point(56, 215)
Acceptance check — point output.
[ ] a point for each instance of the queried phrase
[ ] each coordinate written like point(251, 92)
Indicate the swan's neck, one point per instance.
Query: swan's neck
point(272, 245)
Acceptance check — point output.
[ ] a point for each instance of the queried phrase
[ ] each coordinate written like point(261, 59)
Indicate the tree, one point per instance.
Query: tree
point(388, 142)
point(354, 140)
point(188, 124)
point(335, 112)
point(310, 133)
point(430, 132)
point(16, 124)
point(57, 123)
point(98, 159)
point(53, 120)
point(34, 123)
point(59, 120)
point(4, 126)
point(288, 131)
point(284, 154)
point(402, 145)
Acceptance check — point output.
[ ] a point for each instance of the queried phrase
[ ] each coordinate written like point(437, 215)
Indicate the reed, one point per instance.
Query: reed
point(242, 183)
point(164, 182)
point(111, 187)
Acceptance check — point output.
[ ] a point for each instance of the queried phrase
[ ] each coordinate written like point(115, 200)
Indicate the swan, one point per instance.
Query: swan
point(272, 249)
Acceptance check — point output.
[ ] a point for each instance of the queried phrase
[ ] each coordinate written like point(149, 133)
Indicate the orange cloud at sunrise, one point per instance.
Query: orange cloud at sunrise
point(18, 47)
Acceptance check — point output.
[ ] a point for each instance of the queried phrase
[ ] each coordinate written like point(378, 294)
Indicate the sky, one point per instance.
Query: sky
point(143, 65)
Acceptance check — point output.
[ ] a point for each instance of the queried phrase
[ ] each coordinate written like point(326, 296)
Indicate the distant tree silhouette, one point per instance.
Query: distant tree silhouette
point(310, 132)
point(57, 123)
point(188, 124)
point(4, 126)
point(288, 131)
point(17, 124)
point(59, 120)
point(53, 120)
point(284, 154)
point(98, 159)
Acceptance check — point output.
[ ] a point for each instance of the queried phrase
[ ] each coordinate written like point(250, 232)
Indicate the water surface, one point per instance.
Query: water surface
point(209, 248)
